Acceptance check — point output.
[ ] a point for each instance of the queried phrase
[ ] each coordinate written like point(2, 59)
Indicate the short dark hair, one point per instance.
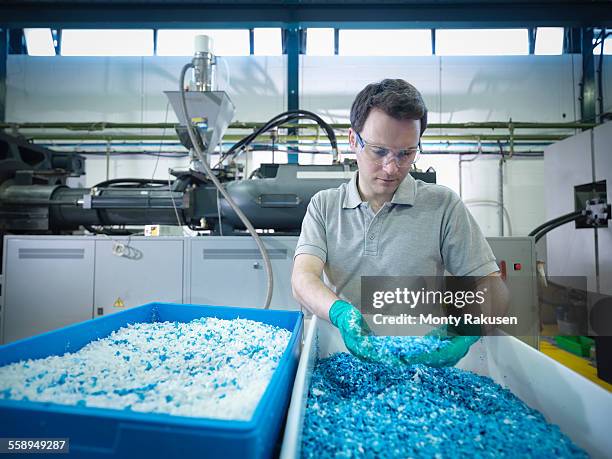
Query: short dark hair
point(396, 97)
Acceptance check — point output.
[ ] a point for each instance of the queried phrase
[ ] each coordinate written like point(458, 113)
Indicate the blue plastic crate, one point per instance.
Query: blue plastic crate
point(101, 432)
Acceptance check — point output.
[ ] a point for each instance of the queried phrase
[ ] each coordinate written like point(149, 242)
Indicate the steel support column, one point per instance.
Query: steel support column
point(531, 35)
point(587, 88)
point(3, 64)
point(292, 48)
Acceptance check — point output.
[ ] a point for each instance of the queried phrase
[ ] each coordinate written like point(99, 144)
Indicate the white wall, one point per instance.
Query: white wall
point(456, 89)
point(130, 89)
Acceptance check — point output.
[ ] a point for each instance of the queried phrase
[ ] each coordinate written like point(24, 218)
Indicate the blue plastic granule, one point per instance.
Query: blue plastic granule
point(406, 346)
point(362, 409)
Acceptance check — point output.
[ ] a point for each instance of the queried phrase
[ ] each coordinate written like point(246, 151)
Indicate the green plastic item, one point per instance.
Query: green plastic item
point(577, 345)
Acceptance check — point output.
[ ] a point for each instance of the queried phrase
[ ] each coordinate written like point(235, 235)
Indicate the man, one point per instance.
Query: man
point(383, 222)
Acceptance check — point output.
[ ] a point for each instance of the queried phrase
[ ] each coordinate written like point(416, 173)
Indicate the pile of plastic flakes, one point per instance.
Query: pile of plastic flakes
point(360, 409)
point(405, 346)
point(209, 367)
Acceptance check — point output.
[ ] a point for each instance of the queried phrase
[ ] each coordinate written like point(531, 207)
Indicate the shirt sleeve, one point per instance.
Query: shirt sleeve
point(464, 249)
point(313, 238)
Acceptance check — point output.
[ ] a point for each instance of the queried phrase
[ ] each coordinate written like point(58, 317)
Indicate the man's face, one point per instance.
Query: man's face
point(379, 181)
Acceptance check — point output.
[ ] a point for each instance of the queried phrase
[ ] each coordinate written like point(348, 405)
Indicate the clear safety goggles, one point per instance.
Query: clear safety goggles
point(382, 155)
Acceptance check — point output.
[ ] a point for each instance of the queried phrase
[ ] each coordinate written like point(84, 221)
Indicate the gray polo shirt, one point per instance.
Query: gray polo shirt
point(424, 230)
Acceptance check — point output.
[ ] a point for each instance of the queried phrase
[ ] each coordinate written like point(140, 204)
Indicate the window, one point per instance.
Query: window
point(549, 40)
point(607, 45)
point(482, 42)
point(385, 43)
point(107, 42)
point(267, 42)
point(39, 42)
point(225, 42)
point(320, 42)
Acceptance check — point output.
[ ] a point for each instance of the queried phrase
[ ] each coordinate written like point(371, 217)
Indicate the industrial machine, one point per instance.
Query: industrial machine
point(578, 252)
point(34, 198)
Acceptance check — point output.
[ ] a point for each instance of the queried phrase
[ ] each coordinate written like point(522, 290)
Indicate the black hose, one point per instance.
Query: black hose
point(555, 220)
point(108, 231)
point(279, 120)
point(273, 123)
point(552, 226)
point(131, 181)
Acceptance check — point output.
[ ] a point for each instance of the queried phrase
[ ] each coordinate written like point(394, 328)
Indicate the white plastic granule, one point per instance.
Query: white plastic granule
point(209, 368)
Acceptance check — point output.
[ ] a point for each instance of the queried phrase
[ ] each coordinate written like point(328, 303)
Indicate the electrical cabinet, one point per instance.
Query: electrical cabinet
point(53, 281)
point(48, 284)
point(230, 271)
point(515, 257)
point(137, 271)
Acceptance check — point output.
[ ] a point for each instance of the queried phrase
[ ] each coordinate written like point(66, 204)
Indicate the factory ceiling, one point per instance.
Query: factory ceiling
point(409, 13)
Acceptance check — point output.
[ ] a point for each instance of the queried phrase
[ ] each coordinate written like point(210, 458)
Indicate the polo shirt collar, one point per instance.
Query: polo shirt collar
point(405, 193)
point(352, 198)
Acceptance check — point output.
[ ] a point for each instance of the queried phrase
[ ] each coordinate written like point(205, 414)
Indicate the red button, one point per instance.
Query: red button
point(517, 266)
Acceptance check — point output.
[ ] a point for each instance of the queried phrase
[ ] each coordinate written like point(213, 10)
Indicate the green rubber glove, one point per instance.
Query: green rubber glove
point(353, 329)
point(456, 347)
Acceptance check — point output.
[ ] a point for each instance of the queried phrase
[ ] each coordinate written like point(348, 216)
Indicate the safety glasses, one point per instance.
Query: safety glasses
point(382, 156)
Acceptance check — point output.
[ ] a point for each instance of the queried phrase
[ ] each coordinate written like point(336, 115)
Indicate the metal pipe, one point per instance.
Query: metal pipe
point(286, 138)
point(500, 198)
point(100, 126)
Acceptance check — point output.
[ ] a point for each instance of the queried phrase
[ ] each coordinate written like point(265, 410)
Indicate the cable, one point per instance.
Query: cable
point(107, 231)
point(551, 227)
point(277, 121)
point(132, 181)
point(243, 218)
point(178, 219)
point(161, 141)
point(553, 221)
point(219, 214)
point(487, 202)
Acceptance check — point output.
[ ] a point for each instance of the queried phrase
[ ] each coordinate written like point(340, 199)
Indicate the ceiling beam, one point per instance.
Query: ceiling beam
point(347, 15)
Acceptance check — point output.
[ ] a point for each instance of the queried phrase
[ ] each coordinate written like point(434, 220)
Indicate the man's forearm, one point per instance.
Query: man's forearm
point(497, 297)
point(311, 292)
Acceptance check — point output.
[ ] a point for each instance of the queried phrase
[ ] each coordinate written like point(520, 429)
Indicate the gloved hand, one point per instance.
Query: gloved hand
point(454, 348)
point(353, 328)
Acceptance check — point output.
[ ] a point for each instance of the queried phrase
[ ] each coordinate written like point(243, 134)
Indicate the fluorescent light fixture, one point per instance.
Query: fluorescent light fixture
point(382, 42)
point(319, 42)
point(549, 41)
point(267, 42)
point(107, 42)
point(481, 42)
point(39, 42)
point(607, 47)
point(226, 42)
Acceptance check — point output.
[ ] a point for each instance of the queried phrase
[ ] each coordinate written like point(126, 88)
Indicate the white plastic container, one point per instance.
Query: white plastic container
point(581, 408)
